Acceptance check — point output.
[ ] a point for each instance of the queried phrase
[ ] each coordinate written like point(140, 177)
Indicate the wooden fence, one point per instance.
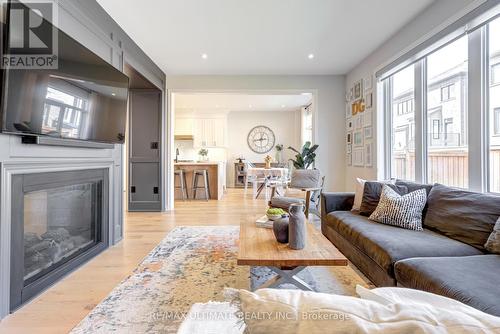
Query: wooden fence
point(447, 166)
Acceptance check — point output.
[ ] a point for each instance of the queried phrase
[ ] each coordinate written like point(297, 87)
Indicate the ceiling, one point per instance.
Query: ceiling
point(261, 36)
point(213, 102)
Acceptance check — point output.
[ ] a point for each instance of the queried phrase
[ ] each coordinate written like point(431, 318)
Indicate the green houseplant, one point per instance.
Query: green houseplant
point(305, 158)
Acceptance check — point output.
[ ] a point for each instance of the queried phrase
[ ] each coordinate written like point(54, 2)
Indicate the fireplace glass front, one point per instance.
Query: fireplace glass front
point(58, 224)
point(59, 221)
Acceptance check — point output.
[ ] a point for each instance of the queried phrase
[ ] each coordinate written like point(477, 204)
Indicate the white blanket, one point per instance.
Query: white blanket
point(382, 310)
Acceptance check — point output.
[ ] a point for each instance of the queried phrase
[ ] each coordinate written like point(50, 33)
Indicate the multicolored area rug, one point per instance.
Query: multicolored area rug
point(191, 265)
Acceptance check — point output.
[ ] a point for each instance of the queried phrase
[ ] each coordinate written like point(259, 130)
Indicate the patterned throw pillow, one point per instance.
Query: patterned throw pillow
point(403, 211)
point(493, 243)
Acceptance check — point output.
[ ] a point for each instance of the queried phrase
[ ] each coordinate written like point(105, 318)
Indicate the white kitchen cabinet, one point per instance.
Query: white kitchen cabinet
point(183, 127)
point(210, 132)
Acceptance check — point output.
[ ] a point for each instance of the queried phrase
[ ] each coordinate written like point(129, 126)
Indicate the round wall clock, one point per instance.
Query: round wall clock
point(261, 139)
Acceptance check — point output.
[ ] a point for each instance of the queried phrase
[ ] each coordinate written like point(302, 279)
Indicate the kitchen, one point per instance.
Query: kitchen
point(194, 134)
point(212, 131)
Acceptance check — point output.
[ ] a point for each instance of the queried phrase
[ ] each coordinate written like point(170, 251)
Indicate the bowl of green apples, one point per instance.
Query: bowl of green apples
point(275, 213)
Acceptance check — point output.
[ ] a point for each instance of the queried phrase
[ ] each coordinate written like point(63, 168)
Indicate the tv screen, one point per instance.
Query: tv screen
point(84, 98)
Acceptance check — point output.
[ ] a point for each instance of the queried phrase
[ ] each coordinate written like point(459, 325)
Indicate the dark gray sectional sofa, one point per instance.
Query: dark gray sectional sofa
point(446, 258)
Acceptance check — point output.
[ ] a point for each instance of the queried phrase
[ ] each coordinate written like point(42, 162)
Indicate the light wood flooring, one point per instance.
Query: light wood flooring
point(62, 306)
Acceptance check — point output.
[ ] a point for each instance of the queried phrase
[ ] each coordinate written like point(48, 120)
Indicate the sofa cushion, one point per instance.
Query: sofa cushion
point(371, 195)
point(462, 215)
point(386, 244)
point(284, 203)
point(472, 280)
point(412, 186)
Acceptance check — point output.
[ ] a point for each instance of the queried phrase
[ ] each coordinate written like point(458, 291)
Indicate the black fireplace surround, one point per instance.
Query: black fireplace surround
point(59, 221)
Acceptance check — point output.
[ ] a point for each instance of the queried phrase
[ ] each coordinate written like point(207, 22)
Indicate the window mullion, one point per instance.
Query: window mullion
point(420, 123)
point(477, 129)
point(388, 126)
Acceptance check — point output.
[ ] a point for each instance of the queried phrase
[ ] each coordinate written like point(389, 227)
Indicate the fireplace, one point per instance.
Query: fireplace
point(59, 221)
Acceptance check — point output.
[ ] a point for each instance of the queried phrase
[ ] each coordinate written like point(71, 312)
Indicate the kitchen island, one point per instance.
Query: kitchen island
point(216, 178)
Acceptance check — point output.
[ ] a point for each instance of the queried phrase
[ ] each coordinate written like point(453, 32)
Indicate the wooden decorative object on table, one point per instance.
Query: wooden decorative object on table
point(268, 160)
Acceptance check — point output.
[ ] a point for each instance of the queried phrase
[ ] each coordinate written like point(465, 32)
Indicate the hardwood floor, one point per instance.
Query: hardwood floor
point(62, 306)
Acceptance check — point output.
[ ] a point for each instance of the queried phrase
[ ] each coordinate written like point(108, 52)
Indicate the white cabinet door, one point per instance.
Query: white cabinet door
point(183, 127)
point(209, 132)
point(220, 132)
point(198, 139)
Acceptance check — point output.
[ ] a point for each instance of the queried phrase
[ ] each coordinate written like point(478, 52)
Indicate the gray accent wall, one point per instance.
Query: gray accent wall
point(87, 22)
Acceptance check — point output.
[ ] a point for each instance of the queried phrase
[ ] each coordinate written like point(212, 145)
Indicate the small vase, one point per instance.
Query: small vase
point(280, 229)
point(297, 226)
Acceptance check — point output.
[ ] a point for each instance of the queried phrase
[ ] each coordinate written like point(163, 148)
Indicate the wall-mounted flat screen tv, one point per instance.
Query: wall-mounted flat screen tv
point(84, 98)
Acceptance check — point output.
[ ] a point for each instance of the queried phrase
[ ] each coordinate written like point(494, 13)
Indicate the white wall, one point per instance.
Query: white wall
point(329, 108)
point(285, 125)
point(436, 17)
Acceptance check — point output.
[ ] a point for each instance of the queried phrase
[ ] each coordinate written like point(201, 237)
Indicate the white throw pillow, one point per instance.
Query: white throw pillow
point(358, 196)
point(360, 191)
point(296, 311)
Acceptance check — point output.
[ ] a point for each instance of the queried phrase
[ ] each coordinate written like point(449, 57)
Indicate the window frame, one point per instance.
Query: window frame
point(494, 80)
point(496, 122)
point(421, 111)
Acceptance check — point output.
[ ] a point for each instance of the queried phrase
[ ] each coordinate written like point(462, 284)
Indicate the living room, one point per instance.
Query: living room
point(383, 216)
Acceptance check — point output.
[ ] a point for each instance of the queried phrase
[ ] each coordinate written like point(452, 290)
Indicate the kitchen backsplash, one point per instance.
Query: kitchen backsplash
point(188, 152)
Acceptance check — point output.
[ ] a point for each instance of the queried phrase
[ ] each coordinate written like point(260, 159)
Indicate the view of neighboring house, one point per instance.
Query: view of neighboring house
point(447, 126)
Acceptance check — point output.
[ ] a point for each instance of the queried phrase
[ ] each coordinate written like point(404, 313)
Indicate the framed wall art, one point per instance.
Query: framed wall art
point(358, 90)
point(357, 157)
point(369, 100)
point(368, 155)
point(368, 82)
point(358, 121)
point(357, 138)
point(367, 118)
point(349, 138)
point(349, 124)
point(368, 132)
point(348, 111)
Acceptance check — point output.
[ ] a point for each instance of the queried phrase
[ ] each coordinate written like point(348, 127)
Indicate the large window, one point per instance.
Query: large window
point(447, 148)
point(494, 104)
point(450, 131)
point(403, 118)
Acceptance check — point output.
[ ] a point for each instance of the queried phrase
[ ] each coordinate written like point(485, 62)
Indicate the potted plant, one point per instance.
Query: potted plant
point(306, 157)
point(203, 153)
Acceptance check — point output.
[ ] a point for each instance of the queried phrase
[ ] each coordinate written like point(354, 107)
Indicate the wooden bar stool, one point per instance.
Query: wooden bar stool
point(181, 175)
point(203, 173)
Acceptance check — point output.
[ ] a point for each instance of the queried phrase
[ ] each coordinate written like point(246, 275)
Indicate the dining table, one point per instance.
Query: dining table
point(265, 176)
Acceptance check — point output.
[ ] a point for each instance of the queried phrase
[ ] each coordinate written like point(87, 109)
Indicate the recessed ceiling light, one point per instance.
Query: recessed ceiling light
point(310, 56)
point(216, 106)
point(114, 94)
point(250, 106)
point(204, 56)
point(283, 106)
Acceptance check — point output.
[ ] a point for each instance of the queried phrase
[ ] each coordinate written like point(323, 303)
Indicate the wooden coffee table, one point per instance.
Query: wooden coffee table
point(258, 247)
